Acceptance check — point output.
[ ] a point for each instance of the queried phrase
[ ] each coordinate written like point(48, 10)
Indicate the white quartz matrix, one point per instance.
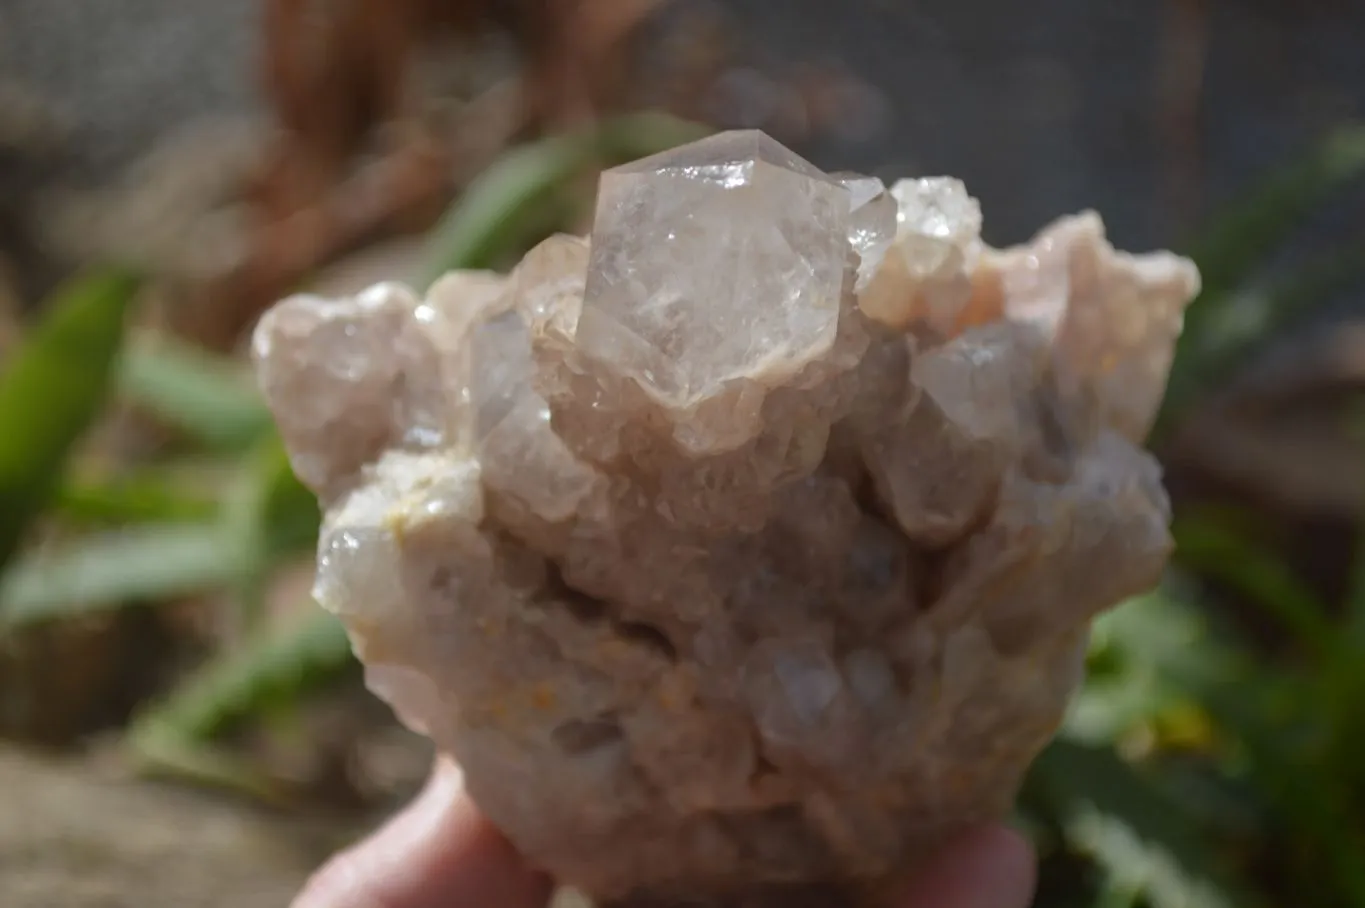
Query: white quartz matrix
point(747, 548)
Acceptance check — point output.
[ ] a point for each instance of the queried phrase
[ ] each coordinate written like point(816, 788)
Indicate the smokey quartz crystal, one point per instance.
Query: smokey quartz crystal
point(748, 547)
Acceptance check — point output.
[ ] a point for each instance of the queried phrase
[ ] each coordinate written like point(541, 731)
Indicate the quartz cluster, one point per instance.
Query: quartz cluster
point(750, 544)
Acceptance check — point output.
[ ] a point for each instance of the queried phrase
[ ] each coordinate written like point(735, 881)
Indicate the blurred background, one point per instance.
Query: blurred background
point(180, 726)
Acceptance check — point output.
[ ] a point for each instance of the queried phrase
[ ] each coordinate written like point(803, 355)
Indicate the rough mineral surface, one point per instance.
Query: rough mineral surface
point(750, 546)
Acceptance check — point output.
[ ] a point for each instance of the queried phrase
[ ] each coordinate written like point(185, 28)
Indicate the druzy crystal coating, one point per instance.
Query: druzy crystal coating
point(747, 547)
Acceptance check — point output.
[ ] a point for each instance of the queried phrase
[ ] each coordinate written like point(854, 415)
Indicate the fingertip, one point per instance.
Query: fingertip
point(438, 852)
point(991, 867)
point(1013, 862)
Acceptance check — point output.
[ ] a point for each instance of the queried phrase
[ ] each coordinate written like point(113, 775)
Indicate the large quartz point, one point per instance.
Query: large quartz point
point(745, 551)
point(720, 262)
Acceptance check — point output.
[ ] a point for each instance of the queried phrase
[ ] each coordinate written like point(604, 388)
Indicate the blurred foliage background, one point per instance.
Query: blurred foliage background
point(169, 169)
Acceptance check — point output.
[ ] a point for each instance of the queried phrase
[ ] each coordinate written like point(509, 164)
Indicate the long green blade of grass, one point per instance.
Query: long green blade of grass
point(269, 517)
point(210, 398)
point(504, 203)
point(174, 738)
point(286, 516)
point(1145, 842)
point(145, 497)
point(52, 390)
point(488, 217)
point(159, 755)
point(1355, 593)
point(1224, 321)
point(151, 562)
point(269, 670)
point(1215, 550)
point(1240, 239)
point(1222, 330)
point(1344, 677)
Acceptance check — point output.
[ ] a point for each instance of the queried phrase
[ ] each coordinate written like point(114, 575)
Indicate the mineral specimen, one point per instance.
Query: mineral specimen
point(747, 548)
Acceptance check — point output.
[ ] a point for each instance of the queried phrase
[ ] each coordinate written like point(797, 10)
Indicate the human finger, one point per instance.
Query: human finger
point(993, 867)
point(438, 852)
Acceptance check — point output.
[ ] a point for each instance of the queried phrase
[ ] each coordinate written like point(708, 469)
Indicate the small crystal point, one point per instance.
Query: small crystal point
point(937, 207)
point(872, 221)
point(922, 276)
point(502, 370)
point(717, 261)
point(522, 454)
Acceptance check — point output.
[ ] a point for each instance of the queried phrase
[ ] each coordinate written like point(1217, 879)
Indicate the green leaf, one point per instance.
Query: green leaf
point(268, 671)
point(211, 398)
point(270, 516)
point(1228, 317)
point(1344, 676)
point(1144, 840)
point(159, 755)
point(141, 497)
point(53, 389)
point(1125, 691)
point(289, 518)
point(506, 202)
point(1214, 549)
point(1159, 637)
point(107, 571)
point(487, 218)
point(627, 138)
point(1261, 710)
point(1241, 239)
point(1220, 331)
point(1310, 806)
point(1103, 711)
point(1355, 594)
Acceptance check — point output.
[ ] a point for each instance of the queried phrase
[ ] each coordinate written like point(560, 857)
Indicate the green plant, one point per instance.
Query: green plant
point(224, 512)
point(1196, 769)
point(51, 391)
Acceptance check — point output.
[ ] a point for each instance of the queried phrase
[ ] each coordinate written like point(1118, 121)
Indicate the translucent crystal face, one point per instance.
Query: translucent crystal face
point(716, 261)
point(872, 221)
point(501, 373)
